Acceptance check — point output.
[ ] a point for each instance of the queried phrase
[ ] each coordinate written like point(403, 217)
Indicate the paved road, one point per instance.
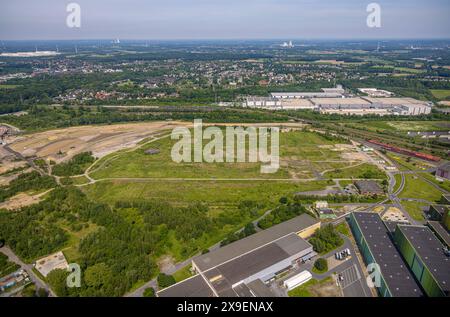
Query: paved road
point(28, 268)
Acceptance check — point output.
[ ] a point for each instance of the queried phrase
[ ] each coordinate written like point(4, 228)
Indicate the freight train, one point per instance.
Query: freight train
point(396, 149)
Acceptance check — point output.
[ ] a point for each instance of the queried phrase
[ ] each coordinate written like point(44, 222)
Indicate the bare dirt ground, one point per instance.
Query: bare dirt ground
point(394, 214)
point(6, 179)
point(62, 144)
point(9, 162)
point(328, 289)
point(165, 263)
point(21, 200)
point(100, 140)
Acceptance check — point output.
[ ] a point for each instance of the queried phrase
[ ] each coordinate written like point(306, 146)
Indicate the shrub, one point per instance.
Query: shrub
point(165, 280)
point(149, 292)
point(321, 265)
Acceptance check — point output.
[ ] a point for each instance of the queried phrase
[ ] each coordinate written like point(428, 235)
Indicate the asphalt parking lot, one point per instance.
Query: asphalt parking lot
point(353, 283)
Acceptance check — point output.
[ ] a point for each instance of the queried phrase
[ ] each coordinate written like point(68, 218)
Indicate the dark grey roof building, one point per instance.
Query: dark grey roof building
point(368, 187)
point(376, 246)
point(242, 267)
point(426, 257)
point(440, 232)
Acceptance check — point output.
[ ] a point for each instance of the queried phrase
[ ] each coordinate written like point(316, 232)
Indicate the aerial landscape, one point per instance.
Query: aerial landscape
point(256, 167)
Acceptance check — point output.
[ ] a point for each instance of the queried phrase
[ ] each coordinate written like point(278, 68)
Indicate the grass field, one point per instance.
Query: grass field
point(417, 188)
point(398, 182)
point(3, 86)
point(403, 126)
point(134, 175)
point(223, 194)
point(182, 274)
point(414, 209)
point(359, 171)
point(445, 184)
point(441, 93)
point(301, 153)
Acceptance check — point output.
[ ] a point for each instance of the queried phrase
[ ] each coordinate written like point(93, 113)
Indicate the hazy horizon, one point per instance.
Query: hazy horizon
point(177, 20)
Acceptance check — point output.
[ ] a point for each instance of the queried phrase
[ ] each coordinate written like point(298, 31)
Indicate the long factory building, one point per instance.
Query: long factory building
point(412, 260)
point(242, 268)
point(334, 101)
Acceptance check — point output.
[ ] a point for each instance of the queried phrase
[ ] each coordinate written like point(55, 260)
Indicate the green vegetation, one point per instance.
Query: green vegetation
point(149, 292)
point(326, 239)
point(183, 273)
point(165, 280)
point(48, 117)
point(320, 266)
point(294, 146)
point(408, 163)
point(230, 204)
point(29, 291)
point(305, 290)
point(441, 93)
point(106, 255)
point(417, 188)
point(309, 199)
point(32, 181)
point(398, 182)
point(248, 230)
point(75, 166)
point(3, 86)
point(343, 228)
point(367, 171)
point(444, 184)
point(414, 209)
point(6, 266)
point(281, 214)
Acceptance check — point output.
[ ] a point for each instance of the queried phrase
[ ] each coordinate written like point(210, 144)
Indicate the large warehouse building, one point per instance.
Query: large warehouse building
point(374, 241)
point(242, 268)
point(426, 257)
point(335, 101)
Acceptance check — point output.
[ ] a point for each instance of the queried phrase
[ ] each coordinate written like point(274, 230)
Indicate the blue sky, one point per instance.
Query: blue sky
point(223, 19)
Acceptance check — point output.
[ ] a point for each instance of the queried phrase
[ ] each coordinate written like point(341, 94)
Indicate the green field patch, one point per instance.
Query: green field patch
point(153, 160)
point(414, 209)
point(215, 193)
point(365, 170)
point(183, 273)
point(444, 184)
point(441, 93)
point(418, 188)
point(4, 86)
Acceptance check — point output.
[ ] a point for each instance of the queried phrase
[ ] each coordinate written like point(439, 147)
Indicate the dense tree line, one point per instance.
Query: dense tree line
point(309, 199)
point(75, 166)
point(25, 182)
point(46, 117)
point(282, 213)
